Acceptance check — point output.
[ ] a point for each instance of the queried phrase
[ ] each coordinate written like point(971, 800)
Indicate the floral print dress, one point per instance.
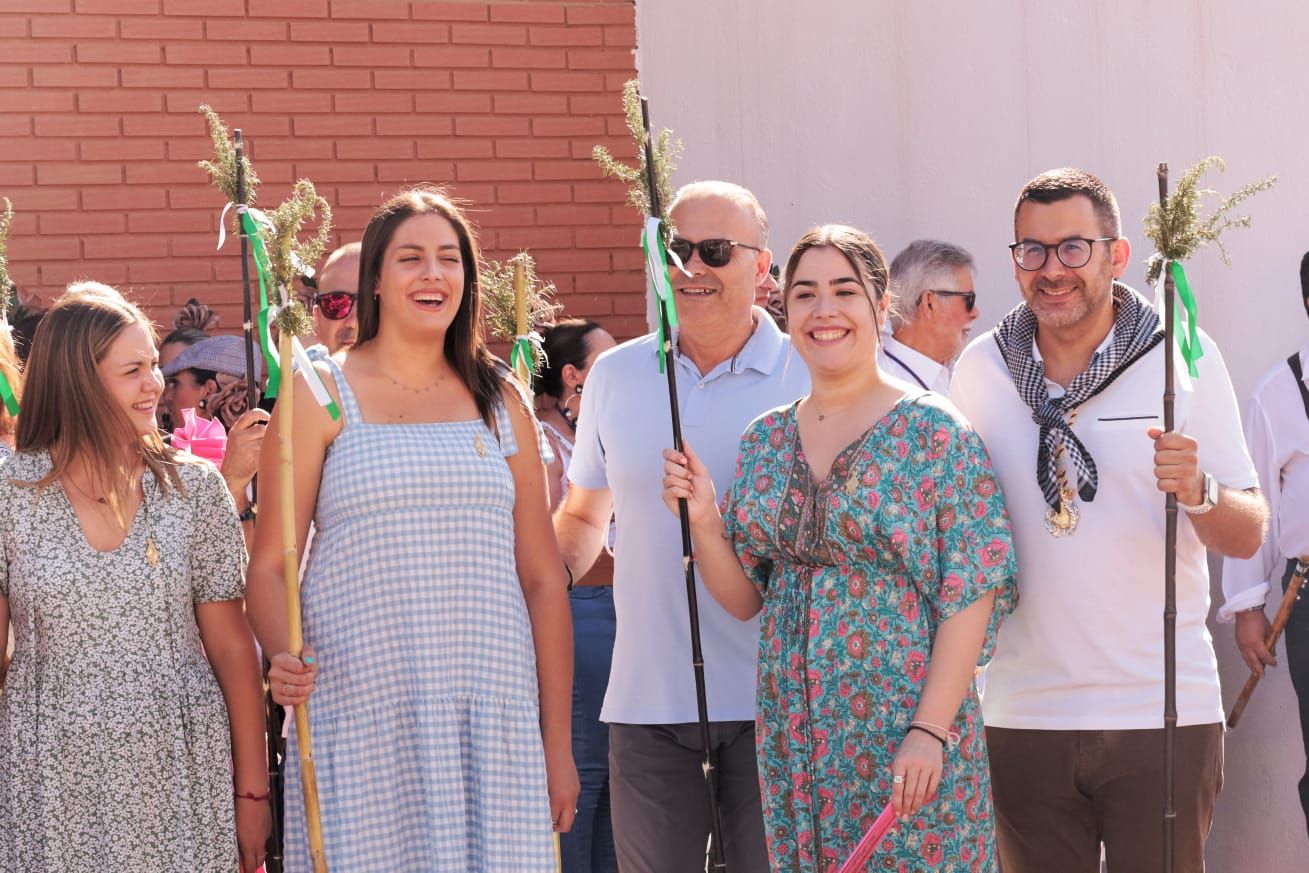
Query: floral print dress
point(856, 574)
point(115, 753)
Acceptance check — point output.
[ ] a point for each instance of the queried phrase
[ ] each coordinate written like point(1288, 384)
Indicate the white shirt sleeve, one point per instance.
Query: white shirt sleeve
point(1214, 420)
point(587, 467)
point(1246, 581)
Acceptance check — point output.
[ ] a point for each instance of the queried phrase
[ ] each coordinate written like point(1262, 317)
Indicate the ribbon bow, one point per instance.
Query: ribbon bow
point(203, 437)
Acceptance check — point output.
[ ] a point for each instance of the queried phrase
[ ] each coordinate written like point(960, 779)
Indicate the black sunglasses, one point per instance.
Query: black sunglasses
point(970, 297)
point(335, 305)
point(714, 252)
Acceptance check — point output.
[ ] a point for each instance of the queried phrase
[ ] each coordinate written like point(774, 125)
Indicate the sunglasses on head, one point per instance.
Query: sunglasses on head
point(970, 297)
point(713, 252)
point(335, 305)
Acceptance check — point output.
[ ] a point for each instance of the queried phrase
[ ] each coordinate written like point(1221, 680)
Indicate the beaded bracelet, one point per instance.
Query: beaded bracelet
point(250, 795)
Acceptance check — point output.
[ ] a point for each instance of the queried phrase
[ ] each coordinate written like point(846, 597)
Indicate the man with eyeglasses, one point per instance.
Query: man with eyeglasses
point(732, 364)
point(1069, 387)
point(333, 302)
point(934, 314)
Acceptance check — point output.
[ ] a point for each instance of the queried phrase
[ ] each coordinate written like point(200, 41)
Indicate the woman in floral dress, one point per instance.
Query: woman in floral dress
point(866, 524)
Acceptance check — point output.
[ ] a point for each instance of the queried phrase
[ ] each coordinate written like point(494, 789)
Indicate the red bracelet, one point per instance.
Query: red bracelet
point(252, 796)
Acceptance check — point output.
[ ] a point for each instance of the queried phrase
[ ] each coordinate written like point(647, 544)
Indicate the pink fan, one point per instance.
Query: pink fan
point(203, 437)
point(864, 850)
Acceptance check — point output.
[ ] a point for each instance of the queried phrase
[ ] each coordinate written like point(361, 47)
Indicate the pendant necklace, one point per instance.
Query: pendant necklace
point(1062, 521)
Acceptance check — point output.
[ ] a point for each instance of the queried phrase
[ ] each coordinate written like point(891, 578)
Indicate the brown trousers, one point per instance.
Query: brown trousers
point(1059, 794)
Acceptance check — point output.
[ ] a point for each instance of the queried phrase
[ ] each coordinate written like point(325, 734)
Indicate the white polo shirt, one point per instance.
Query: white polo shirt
point(620, 438)
point(1084, 648)
point(1278, 432)
point(910, 365)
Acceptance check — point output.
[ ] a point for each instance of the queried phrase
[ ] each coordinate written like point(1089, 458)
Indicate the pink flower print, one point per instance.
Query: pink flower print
point(901, 449)
point(984, 487)
point(951, 588)
point(860, 706)
point(900, 542)
point(909, 606)
point(915, 666)
point(899, 426)
point(857, 585)
point(946, 518)
point(931, 849)
point(939, 444)
point(925, 494)
point(994, 553)
point(850, 528)
point(856, 644)
point(863, 765)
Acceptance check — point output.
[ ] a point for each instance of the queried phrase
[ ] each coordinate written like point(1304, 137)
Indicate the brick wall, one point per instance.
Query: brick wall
point(502, 102)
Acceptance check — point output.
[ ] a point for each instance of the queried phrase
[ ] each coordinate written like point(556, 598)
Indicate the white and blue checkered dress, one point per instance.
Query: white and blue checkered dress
point(426, 722)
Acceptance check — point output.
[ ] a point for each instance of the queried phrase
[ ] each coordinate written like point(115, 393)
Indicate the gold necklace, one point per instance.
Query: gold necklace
point(151, 548)
point(1063, 521)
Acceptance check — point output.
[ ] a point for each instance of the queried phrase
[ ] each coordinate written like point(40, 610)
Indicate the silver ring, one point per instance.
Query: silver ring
point(898, 780)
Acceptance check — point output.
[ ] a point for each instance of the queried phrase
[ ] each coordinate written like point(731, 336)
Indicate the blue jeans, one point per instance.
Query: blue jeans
point(589, 846)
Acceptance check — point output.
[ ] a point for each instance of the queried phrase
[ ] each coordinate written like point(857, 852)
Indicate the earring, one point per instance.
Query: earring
point(202, 404)
point(578, 388)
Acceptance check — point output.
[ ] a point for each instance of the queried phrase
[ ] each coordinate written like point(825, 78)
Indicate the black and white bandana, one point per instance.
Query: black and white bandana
point(1137, 329)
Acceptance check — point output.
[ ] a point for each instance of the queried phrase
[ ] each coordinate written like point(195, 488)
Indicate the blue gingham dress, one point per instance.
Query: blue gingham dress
point(426, 718)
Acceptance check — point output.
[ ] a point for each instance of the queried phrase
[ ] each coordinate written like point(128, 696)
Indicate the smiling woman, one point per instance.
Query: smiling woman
point(119, 560)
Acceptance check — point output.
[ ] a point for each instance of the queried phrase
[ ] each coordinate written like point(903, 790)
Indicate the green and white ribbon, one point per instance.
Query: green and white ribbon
point(528, 348)
point(252, 223)
point(659, 284)
point(1186, 333)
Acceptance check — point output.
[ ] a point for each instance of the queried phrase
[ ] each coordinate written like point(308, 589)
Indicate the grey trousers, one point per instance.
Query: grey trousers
point(660, 804)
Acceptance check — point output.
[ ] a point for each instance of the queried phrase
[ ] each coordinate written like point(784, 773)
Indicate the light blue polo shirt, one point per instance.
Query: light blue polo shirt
point(624, 429)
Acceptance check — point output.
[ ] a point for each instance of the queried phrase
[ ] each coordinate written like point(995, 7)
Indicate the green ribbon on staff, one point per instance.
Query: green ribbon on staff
point(657, 281)
point(7, 394)
point(264, 270)
point(1188, 341)
point(524, 355)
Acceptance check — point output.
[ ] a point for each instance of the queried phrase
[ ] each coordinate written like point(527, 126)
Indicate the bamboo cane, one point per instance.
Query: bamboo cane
point(1274, 634)
point(522, 366)
point(1170, 567)
point(717, 857)
point(295, 636)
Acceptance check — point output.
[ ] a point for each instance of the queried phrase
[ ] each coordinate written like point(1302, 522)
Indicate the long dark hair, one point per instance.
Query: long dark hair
point(465, 349)
point(564, 343)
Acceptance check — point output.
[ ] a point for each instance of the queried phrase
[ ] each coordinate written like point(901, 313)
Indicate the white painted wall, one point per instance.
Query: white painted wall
point(911, 119)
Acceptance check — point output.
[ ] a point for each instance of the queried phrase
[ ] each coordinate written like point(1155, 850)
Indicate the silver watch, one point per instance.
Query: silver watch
point(1210, 498)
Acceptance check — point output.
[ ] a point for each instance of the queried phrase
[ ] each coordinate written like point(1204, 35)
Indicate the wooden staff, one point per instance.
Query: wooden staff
point(291, 574)
point(1170, 565)
point(1279, 624)
point(522, 364)
point(247, 323)
point(717, 858)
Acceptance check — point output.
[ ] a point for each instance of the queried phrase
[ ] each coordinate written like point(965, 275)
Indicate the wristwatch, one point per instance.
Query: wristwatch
point(1210, 498)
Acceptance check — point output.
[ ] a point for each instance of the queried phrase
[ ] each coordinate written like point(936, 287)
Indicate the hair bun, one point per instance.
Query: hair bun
point(197, 316)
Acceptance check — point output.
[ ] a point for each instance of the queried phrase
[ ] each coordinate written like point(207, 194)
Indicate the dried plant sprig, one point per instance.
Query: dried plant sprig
point(1178, 230)
point(500, 310)
point(6, 284)
point(287, 253)
point(294, 319)
point(222, 170)
point(665, 149)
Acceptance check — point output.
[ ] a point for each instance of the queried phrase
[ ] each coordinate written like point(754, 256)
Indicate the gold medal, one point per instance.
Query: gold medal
point(1062, 521)
point(151, 552)
point(480, 446)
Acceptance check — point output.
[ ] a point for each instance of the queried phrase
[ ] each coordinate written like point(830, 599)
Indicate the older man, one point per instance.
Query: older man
point(934, 312)
point(731, 364)
point(333, 303)
point(1068, 387)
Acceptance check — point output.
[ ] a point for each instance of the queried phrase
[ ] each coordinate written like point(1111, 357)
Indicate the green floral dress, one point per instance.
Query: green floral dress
point(857, 573)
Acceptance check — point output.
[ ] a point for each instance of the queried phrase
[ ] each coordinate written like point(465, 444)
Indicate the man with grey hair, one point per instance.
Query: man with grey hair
point(934, 313)
point(732, 364)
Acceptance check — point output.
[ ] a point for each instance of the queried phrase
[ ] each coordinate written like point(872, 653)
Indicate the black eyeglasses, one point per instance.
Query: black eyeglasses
point(1073, 253)
point(970, 297)
point(335, 305)
point(714, 252)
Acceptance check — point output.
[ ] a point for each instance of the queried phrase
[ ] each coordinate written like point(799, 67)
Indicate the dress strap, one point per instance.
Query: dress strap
point(349, 403)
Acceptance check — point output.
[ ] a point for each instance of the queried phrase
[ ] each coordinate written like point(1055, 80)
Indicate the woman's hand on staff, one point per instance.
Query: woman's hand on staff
point(687, 478)
point(916, 773)
point(564, 788)
point(244, 441)
point(254, 822)
point(292, 679)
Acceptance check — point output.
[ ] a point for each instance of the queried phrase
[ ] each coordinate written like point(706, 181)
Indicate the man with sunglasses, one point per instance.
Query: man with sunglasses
point(334, 298)
point(1069, 386)
point(935, 311)
point(732, 364)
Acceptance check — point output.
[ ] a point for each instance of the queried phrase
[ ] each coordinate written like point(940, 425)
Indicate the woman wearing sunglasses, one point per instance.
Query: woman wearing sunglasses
point(866, 525)
point(439, 649)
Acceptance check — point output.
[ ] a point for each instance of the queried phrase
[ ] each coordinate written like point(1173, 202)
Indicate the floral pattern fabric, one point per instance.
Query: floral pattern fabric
point(856, 574)
point(115, 752)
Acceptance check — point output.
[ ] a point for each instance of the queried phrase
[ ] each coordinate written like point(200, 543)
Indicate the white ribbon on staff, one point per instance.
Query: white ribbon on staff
point(256, 214)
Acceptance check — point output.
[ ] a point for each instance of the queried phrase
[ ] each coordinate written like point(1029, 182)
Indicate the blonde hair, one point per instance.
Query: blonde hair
point(65, 410)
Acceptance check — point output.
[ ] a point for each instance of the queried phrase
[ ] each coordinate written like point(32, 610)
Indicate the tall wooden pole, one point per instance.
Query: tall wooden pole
point(291, 575)
point(247, 317)
point(1170, 564)
point(717, 857)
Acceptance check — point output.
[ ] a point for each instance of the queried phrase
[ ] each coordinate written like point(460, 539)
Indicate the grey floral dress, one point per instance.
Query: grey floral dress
point(114, 744)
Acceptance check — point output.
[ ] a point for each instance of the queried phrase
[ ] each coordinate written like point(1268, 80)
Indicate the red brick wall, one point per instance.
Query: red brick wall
point(502, 102)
